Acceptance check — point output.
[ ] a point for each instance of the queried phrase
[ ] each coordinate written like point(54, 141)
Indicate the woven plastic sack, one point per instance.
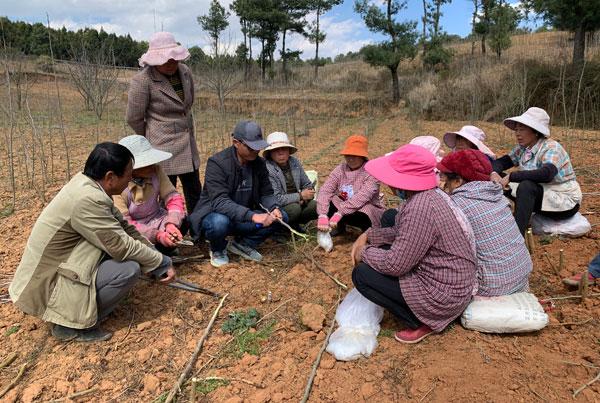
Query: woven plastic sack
point(324, 240)
point(573, 227)
point(359, 320)
point(313, 176)
point(515, 313)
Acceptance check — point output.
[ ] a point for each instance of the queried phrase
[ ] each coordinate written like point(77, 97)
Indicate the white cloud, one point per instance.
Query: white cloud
point(141, 18)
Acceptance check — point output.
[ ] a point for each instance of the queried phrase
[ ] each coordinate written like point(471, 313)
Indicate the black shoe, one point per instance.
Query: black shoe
point(64, 333)
point(92, 335)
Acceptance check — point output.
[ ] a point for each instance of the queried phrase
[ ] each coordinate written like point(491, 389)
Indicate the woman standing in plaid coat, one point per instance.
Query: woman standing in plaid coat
point(159, 107)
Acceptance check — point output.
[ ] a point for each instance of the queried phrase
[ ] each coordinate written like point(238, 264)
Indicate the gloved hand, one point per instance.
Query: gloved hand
point(335, 219)
point(323, 223)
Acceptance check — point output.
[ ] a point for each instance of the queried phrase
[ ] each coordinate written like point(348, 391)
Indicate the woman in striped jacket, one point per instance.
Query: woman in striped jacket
point(503, 261)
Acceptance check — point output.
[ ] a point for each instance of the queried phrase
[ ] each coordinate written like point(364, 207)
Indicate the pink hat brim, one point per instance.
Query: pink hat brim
point(159, 57)
point(381, 170)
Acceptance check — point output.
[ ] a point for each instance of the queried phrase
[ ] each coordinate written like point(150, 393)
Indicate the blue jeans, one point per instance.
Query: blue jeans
point(216, 227)
point(594, 267)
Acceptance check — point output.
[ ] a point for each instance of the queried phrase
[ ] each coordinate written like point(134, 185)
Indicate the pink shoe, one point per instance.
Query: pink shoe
point(573, 281)
point(412, 336)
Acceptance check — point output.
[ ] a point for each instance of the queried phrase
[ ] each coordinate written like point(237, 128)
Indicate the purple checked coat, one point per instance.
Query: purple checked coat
point(155, 110)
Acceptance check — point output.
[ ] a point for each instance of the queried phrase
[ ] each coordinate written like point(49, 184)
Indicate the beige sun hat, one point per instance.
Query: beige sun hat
point(143, 152)
point(279, 140)
point(534, 117)
point(161, 48)
point(472, 133)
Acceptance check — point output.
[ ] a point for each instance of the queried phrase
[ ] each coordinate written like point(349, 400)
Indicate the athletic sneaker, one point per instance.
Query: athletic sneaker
point(412, 336)
point(573, 281)
point(218, 259)
point(243, 250)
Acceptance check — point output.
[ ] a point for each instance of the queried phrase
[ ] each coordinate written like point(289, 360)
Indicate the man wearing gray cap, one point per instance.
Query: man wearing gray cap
point(236, 185)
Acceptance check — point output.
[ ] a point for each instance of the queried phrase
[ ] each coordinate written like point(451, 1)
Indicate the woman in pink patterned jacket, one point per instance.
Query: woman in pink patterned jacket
point(150, 202)
point(350, 196)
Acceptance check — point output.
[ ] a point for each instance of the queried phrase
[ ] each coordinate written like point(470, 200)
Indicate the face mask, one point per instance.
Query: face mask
point(401, 194)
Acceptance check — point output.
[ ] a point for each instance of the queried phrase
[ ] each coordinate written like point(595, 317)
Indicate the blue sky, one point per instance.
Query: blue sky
point(345, 30)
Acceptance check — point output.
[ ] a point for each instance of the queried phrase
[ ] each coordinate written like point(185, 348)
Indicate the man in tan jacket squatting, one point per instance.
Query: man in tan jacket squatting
point(82, 257)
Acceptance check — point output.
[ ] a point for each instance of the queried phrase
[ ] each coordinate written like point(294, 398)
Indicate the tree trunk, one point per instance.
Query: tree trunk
point(424, 39)
point(483, 37)
point(284, 58)
point(317, 45)
point(395, 84)
point(263, 66)
point(476, 8)
point(579, 46)
point(246, 62)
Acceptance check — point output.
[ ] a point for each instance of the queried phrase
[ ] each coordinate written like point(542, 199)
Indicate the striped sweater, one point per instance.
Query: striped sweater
point(504, 263)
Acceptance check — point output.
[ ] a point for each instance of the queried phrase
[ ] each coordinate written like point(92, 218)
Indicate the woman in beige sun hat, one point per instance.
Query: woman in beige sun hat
point(150, 202)
point(159, 107)
point(292, 188)
point(545, 181)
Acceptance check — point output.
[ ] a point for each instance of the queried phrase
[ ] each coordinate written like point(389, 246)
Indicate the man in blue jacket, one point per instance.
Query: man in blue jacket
point(236, 188)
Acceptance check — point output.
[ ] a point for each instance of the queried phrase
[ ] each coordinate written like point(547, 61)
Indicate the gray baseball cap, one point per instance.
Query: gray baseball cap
point(250, 133)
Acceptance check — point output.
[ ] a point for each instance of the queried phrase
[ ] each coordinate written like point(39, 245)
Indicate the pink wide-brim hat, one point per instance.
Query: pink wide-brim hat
point(411, 167)
point(472, 133)
point(431, 143)
point(161, 49)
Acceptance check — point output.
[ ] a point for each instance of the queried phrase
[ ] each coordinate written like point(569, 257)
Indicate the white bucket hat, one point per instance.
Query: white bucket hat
point(279, 140)
point(163, 47)
point(143, 152)
point(536, 118)
point(472, 133)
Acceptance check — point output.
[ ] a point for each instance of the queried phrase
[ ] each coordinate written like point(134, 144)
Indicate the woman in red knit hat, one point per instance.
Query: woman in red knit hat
point(502, 258)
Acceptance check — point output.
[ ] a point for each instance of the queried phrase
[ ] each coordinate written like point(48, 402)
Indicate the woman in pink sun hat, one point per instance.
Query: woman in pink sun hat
point(468, 137)
point(423, 268)
point(159, 107)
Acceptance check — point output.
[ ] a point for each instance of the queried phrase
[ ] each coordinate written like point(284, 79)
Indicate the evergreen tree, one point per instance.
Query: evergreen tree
point(214, 23)
point(316, 34)
point(503, 22)
point(578, 16)
point(401, 38)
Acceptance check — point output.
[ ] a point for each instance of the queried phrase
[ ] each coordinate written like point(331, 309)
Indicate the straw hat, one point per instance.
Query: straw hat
point(278, 140)
point(472, 133)
point(535, 118)
point(472, 165)
point(356, 145)
point(161, 49)
point(143, 152)
point(411, 167)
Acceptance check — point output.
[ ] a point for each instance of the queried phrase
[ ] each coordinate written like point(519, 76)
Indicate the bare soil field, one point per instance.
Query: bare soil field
point(156, 329)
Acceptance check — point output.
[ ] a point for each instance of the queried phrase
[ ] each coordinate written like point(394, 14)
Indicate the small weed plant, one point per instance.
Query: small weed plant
point(206, 386)
point(247, 338)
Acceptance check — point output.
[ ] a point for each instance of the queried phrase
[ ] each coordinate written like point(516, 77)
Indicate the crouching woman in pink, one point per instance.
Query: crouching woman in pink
point(150, 202)
point(350, 196)
point(423, 269)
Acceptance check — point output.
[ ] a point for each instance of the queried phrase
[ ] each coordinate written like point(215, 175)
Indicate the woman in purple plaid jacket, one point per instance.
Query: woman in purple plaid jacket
point(423, 268)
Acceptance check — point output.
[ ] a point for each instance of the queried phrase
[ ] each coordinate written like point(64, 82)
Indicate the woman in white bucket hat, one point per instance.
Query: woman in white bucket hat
point(468, 137)
point(545, 182)
point(293, 189)
point(159, 107)
point(150, 202)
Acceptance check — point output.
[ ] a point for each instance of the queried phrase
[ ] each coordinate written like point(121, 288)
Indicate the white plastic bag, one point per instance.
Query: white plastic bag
point(515, 313)
point(359, 320)
point(357, 311)
point(313, 176)
point(324, 240)
point(573, 227)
